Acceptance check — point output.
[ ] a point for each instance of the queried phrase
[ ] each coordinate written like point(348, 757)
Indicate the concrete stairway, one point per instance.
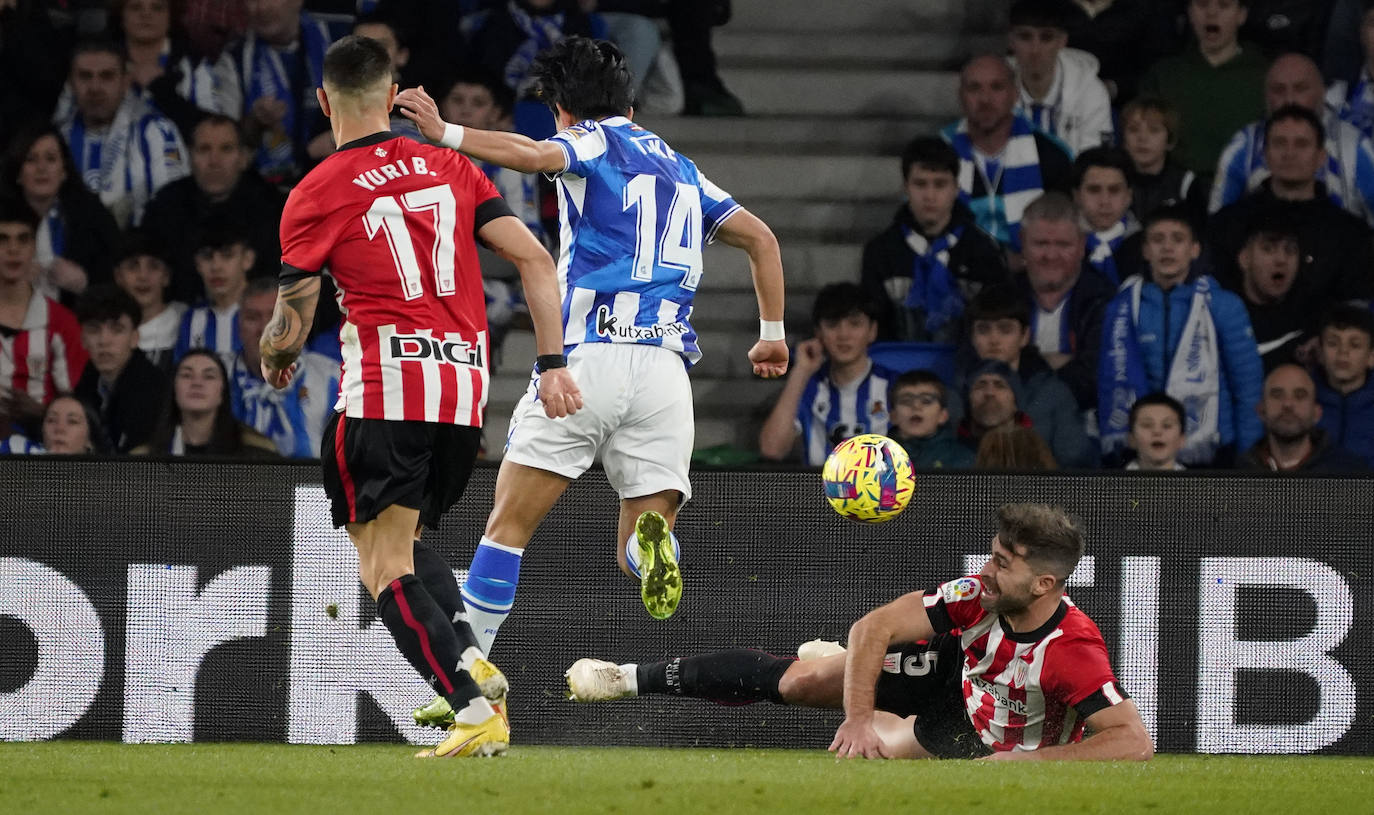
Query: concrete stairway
point(833, 89)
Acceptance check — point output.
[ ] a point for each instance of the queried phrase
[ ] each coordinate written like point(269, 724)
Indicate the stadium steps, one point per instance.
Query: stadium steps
point(833, 90)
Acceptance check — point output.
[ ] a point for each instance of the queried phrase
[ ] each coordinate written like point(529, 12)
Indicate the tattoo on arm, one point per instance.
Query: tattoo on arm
point(285, 335)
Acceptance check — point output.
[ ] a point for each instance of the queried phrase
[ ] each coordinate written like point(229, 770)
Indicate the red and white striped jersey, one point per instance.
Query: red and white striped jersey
point(44, 357)
point(394, 221)
point(1026, 690)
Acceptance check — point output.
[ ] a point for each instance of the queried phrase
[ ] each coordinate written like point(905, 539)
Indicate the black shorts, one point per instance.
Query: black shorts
point(926, 680)
point(371, 464)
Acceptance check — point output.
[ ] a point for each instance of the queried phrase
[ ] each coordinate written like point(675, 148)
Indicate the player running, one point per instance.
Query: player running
point(1034, 672)
point(634, 215)
point(394, 221)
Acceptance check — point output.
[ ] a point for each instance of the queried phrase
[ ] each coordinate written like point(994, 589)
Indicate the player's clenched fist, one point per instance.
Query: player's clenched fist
point(769, 358)
point(559, 394)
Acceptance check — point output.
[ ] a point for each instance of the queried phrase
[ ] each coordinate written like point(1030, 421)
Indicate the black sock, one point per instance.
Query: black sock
point(737, 676)
point(426, 639)
point(439, 581)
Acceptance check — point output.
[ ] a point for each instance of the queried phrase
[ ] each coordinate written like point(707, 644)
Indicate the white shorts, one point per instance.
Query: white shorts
point(636, 415)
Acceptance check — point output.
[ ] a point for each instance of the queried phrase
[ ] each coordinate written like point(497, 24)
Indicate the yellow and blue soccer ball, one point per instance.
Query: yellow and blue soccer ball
point(868, 478)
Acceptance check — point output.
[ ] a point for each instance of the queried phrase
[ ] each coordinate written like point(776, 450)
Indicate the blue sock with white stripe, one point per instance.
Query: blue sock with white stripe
point(632, 552)
point(489, 591)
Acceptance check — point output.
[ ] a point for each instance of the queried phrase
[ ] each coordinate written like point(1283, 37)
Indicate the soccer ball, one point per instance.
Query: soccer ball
point(868, 478)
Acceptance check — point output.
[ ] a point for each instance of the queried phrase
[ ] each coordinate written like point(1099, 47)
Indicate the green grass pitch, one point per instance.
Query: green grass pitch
point(244, 779)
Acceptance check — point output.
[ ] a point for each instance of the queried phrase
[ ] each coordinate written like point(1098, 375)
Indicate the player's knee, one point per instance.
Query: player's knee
point(800, 685)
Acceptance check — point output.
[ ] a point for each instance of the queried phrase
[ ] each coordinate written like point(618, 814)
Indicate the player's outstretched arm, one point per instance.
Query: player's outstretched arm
point(1115, 733)
point(285, 335)
point(902, 620)
point(512, 240)
point(744, 230)
point(506, 149)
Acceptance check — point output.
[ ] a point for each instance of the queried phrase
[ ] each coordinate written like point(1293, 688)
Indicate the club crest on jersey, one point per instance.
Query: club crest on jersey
point(1020, 674)
point(608, 325)
point(406, 347)
point(965, 588)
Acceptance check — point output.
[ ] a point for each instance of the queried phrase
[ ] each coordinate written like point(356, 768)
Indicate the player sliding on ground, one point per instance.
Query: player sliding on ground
point(394, 221)
point(1034, 672)
point(634, 217)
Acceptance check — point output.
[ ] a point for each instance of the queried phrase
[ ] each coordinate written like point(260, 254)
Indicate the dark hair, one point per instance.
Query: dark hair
point(176, 12)
point(23, 140)
point(106, 303)
point(260, 285)
point(139, 242)
point(95, 429)
point(839, 300)
point(227, 436)
point(1060, 14)
point(587, 78)
point(999, 303)
point(920, 376)
point(1271, 223)
point(380, 16)
point(500, 92)
point(220, 120)
point(16, 211)
point(100, 45)
point(1158, 398)
point(1349, 315)
point(1158, 105)
point(356, 63)
point(930, 153)
point(1013, 447)
point(222, 233)
point(1053, 539)
point(1295, 112)
point(1112, 158)
point(1172, 213)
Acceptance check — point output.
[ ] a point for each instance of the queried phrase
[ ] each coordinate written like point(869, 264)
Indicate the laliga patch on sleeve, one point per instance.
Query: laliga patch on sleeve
point(965, 588)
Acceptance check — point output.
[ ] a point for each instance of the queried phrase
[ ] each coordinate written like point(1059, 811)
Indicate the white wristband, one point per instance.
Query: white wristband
point(771, 330)
point(453, 137)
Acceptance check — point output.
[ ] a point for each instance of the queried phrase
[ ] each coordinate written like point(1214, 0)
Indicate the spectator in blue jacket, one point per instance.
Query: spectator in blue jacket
point(1345, 389)
point(1179, 332)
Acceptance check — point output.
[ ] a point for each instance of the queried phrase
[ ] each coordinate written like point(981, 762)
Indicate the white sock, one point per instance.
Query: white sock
point(478, 710)
point(631, 670)
point(470, 655)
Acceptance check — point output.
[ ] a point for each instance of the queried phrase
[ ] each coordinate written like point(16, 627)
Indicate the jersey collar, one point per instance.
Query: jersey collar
point(368, 141)
point(1039, 633)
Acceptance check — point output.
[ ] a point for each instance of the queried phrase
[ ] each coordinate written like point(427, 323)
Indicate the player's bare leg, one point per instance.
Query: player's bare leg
point(524, 496)
point(423, 633)
point(649, 551)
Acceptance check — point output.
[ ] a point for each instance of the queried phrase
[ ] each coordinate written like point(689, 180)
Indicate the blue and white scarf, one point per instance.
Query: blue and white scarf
point(1194, 376)
point(1102, 247)
point(933, 287)
point(999, 197)
point(543, 32)
point(1358, 104)
point(266, 75)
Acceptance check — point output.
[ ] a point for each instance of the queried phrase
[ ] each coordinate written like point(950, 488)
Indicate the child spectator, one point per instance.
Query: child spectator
point(141, 272)
point(292, 417)
point(124, 388)
point(1292, 440)
point(920, 422)
point(197, 418)
point(999, 329)
point(1216, 85)
point(1004, 162)
point(1157, 421)
point(40, 342)
point(1149, 134)
point(1268, 263)
point(1345, 390)
point(76, 234)
point(1178, 331)
point(1102, 191)
point(223, 260)
point(933, 258)
point(1014, 448)
point(72, 428)
point(1059, 90)
point(833, 390)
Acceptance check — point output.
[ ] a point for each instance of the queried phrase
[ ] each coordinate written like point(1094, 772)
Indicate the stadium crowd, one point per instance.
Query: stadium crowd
point(1146, 242)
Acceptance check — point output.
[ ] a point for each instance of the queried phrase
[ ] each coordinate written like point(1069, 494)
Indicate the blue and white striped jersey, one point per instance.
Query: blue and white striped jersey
point(633, 215)
point(208, 327)
point(19, 445)
point(829, 413)
point(293, 417)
